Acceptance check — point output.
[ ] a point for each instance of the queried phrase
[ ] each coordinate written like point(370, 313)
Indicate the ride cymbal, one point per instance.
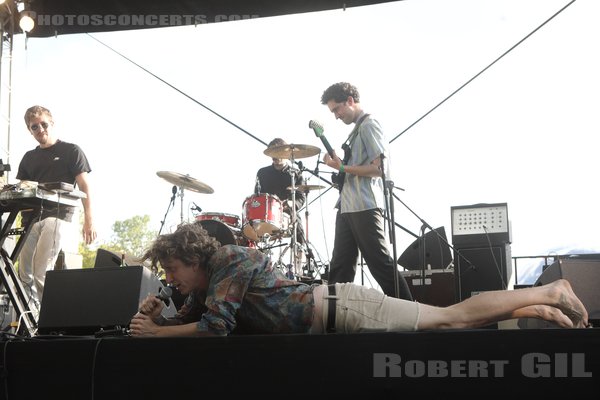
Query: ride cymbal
point(185, 182)
point(306, 188)
point(292, 151)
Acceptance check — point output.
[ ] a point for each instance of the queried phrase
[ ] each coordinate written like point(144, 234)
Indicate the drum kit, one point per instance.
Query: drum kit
point(264, 222)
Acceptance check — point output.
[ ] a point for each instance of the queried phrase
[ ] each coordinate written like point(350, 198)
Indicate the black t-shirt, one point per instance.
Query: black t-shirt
point(273, 181)
point(61, 162)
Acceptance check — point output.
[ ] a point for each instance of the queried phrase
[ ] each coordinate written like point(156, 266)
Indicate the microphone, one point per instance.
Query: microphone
point(196, 207)
point(318, 128)
point(165, 294)
point(174, 190)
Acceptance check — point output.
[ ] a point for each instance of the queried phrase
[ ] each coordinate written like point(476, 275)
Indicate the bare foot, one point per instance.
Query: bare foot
point(568, 302)
point(553, 314)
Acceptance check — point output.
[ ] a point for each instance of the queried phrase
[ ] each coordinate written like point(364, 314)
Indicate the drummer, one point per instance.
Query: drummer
point(275, 179)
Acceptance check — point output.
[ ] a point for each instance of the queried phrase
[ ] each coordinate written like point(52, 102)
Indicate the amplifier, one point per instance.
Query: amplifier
point(435, 288)
point(480, 224)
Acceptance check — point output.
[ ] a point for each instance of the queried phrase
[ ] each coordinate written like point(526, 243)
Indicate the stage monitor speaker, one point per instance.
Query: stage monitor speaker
point(481, 269)
point(107, 258)
point(87, 301)
point(437, 252)
point(435, 287)
point(584, 277)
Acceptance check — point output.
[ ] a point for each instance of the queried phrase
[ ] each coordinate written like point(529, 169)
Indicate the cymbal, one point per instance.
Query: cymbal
point(306, 188)
point(185, 181)
point(294, 151)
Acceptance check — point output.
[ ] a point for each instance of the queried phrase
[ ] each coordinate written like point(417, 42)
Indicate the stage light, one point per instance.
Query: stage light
point(26, 22)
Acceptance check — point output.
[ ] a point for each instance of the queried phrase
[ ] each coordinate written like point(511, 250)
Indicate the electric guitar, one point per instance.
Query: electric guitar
point(336, 178)
point(339, 178)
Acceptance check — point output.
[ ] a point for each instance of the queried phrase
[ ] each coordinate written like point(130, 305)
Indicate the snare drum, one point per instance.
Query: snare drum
point(229, 219)
point(225, 234)
point(261, 215)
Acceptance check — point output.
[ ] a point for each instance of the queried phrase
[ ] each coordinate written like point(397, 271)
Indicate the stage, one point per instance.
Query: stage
point(468, 363)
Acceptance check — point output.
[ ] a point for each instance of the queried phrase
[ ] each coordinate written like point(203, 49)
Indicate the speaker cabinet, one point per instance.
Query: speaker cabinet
point(107, 258)
point(435, 287)
point(86, 301)
point(584, 277)
point(481, 269)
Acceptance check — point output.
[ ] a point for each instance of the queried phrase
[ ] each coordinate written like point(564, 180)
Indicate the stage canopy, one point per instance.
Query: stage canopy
point(59, 17)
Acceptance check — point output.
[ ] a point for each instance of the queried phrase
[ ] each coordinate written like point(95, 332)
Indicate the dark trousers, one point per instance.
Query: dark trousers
point(364, 230)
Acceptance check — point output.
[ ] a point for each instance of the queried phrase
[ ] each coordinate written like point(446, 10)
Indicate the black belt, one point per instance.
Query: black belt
point(331, 310)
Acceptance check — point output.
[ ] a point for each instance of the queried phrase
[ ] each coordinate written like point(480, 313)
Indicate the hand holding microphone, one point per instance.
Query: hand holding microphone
point(153, 304)
point(165, 294)
point(144, 323)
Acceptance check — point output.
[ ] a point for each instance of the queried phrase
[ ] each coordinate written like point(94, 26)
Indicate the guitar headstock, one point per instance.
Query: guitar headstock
point(317, 127)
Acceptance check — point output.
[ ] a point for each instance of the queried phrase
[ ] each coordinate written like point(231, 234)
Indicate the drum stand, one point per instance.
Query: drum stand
point(309, 254)
point(295, 256)
point(292, 152)
point(295, 268)
point(176, 192)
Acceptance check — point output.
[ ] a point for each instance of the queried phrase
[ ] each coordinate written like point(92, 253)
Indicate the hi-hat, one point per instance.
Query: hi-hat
point(306, 188)
point(289, 151)
point(185, 181)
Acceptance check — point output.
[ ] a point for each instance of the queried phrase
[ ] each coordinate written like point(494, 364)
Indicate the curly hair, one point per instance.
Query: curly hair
point(339, 92)
point(190, 243)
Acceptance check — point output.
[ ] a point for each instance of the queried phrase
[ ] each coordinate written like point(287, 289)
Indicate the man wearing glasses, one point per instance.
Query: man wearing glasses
point(52, 161)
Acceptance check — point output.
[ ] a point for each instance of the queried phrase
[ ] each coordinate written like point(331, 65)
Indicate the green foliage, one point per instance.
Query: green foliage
point(89, 255)
point(130, 237)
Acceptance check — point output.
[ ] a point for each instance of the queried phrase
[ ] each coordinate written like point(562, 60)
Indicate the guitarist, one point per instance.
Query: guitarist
point(359, 221)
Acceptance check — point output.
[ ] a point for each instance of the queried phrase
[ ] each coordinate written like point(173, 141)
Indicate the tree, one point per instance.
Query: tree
point(130, 237)
point(88, 255)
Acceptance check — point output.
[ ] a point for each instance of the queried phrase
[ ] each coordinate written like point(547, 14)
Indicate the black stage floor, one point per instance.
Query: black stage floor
point(468, 363)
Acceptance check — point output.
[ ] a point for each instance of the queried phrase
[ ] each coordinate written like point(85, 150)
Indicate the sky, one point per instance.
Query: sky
point(523, 132)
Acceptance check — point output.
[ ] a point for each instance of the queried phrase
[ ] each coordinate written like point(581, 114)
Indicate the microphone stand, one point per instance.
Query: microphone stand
point(171, 203)
point(314, 173)
point(301, 167)
point(389, 209)
point(422, 240)
point(424, 226)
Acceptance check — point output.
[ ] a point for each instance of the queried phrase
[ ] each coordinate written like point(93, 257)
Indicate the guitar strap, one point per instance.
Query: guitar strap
point(346, 145)
point(339, 178)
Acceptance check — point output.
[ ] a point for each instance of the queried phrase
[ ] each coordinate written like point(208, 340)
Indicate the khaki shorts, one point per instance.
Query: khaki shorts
point(362, 309)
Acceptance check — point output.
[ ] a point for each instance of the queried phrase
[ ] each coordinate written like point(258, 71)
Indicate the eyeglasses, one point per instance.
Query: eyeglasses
point(36, 127)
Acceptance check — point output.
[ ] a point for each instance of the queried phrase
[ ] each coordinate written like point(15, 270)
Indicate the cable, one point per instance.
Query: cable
point(178, 90)
point(94, 357)
point(482, 71)
point(487, 236)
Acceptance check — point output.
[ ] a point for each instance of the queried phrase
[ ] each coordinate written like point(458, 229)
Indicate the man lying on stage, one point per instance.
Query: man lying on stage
point(237, 288)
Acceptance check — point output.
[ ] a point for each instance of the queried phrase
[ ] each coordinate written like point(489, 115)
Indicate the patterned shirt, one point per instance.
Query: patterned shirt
point(362, 193)
point(246, 290)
